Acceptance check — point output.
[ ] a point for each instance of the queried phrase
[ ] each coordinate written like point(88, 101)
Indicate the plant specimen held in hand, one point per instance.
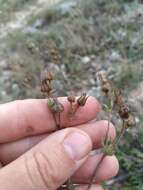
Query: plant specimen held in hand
point(54, 105)
point(116, 104)
point(57, 108)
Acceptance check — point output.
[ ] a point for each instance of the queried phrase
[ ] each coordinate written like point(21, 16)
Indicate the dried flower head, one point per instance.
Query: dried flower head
point(124, 111)
point(118, 105)
point(46, 86)
point(46, 76)
point(105, 83)
point(119, 100)
point(49, 76)
point(131, 121)
point(81, 101)
point(109, 149)
point(54, 105)
point(71, 98)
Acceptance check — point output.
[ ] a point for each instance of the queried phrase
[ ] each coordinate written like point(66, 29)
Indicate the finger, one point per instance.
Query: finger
point(93, 187)
point(29, 117)
point(96, 131)
point(11, 151)
point(108, 168)
point(41, 167)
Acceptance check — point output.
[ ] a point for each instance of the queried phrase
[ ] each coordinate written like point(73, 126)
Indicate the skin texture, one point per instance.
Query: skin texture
point(33, 153)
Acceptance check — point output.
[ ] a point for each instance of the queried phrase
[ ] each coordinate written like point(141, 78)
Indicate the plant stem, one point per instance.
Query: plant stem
point(108, 126)
point(95, 171)
point(55, 119)
point(59, 123)
point(103, 156)
point(121, 133)
point(70, 185)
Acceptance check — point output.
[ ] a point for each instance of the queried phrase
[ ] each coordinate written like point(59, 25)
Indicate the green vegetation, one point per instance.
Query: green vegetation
point(8, 7)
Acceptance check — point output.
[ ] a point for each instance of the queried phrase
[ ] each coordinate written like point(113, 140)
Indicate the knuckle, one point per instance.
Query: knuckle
point(46, 170)
point(29, 172)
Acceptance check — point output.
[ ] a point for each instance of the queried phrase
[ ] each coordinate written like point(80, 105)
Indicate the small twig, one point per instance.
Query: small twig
point(103, 156)
point(123, 130)
point(95, 171)
point(59, 124)
point(70, 185)
point(108, 126)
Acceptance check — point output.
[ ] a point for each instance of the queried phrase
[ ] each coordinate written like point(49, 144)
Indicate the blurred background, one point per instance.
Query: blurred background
point(74, 39)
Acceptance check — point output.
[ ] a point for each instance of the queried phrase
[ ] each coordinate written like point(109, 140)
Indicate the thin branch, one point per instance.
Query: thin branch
point(95, 171)
point(108, 126)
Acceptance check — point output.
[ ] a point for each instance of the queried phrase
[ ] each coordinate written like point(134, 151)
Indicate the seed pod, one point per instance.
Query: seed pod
point(110, 149)
point(55, 106)
point(124, 111)
point(45, 87)
point(71, 98)
point(106, 87)
point(49, 76)
point(105, 83)
point(46, 76)
point(51, 103)
point(118, 97)
point(46, 82)
point(82, 99)
point(130, 122)
point(59, 107)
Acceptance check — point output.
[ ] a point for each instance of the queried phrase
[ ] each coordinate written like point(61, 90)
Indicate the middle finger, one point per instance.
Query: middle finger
point(11, 151)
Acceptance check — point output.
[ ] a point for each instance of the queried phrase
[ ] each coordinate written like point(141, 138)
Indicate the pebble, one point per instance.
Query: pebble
point(85, 59)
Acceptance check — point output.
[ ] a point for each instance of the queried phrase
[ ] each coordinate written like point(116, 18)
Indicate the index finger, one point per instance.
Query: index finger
point(24, 118)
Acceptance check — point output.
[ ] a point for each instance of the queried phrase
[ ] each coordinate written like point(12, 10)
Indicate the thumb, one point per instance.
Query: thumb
point(49, 164)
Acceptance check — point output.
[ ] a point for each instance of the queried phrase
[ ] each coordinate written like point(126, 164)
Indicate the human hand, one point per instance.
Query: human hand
point(34, 156)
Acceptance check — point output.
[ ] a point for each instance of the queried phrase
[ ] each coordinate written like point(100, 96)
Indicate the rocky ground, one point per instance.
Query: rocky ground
point(74, 40)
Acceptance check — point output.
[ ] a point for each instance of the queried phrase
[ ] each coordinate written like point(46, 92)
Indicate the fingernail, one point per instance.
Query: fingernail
point(77, 145)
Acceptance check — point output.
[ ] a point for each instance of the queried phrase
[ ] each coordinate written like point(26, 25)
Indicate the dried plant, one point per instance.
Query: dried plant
point(115, 103)
point(53, 103)
point(76, 103)
point(57, 108)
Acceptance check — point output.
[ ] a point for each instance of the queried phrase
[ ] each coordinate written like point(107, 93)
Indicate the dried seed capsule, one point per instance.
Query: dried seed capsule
point(124, 112)
point(106, 87)
point(49, 76)
point(110, 149)
point(46, 83)
point(118, 97)
point(45, 87)
point(71, 98)
point(50, 102)
point(55, 106)
point(82, 99)
point(46, 76)
point(105, 83)
point(131, 121)
point(59, 107)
